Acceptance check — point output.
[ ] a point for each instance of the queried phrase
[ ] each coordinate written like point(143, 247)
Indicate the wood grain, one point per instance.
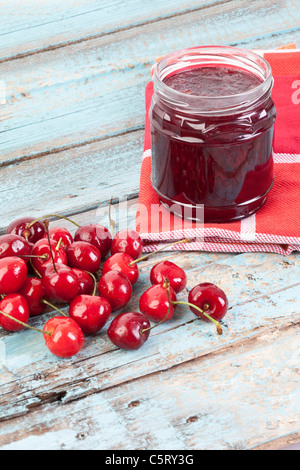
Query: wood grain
point(37, 26)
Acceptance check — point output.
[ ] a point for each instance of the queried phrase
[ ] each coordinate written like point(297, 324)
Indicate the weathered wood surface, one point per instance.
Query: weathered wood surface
point(235, 399)
point(228, 375)
point(71, 138)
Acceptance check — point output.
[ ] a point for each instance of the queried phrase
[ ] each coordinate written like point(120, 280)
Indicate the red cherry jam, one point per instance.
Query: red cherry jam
point(212, 121)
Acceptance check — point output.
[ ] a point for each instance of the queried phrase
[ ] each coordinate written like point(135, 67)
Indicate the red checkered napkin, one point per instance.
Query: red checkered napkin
point(276, 226)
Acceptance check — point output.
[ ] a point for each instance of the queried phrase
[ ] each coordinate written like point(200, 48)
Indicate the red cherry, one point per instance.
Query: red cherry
point(13, 274)
point(116, 288)
point(24, 227)
point(60, 233)
point(129, 330)
point(84, 255)
point(42, 250)
point(14, 245)
point(86, 283)
point(127, 241)
point(60, 284)
point(154, 303)
point(169, 270)
point(17, 307)
point(121, 262)
point(63, 336)
point(90, 312)
point(97, 235)
point(33, 291)
point(210, 299)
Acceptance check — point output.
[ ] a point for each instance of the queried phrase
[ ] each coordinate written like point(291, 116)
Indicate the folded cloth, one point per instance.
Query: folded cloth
point(276, 226)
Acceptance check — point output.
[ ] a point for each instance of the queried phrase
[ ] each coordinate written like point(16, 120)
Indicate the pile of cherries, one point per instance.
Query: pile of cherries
point(44, 267)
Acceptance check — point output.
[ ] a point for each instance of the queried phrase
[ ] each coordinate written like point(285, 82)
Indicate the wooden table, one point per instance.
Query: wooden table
point(72, 138)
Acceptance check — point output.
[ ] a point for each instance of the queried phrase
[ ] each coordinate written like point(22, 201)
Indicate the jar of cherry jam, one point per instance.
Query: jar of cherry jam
point(212, 121)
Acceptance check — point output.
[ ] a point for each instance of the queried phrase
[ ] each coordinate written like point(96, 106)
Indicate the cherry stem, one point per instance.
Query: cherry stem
point(219, 329)
point(24, 324)
point(54, 307)
point(35, 270)
point(166, 285)
point(58, 245)
point(95, 283)
point(142, 258)
point(50, 216)
point(46, 223)
point(33, 256)
point(26, 234)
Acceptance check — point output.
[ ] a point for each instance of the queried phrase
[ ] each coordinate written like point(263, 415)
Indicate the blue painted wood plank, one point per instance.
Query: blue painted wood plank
point(36, 25)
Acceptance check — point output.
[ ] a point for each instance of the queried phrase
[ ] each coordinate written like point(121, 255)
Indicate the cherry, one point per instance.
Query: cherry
point(14, 245)
point(83, 255)
point(90, 312)
point(28, 228)
point(210, 299)
point(63, 336)
point(34, 293)
point(167, 269)
point(97, 235)
point(16, 307)
point(127, 241)
point(86, 284)
point(60, 235)
point(60, 283)
point(116, 288)
point(122, 262)
point(129, 330)
point(13, 274)
point(155, 303)
point(41, 255)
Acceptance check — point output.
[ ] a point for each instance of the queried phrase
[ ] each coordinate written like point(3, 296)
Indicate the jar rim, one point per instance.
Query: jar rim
point(228, 55)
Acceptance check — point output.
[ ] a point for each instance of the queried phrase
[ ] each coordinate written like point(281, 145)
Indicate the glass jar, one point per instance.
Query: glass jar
point(212, 121)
